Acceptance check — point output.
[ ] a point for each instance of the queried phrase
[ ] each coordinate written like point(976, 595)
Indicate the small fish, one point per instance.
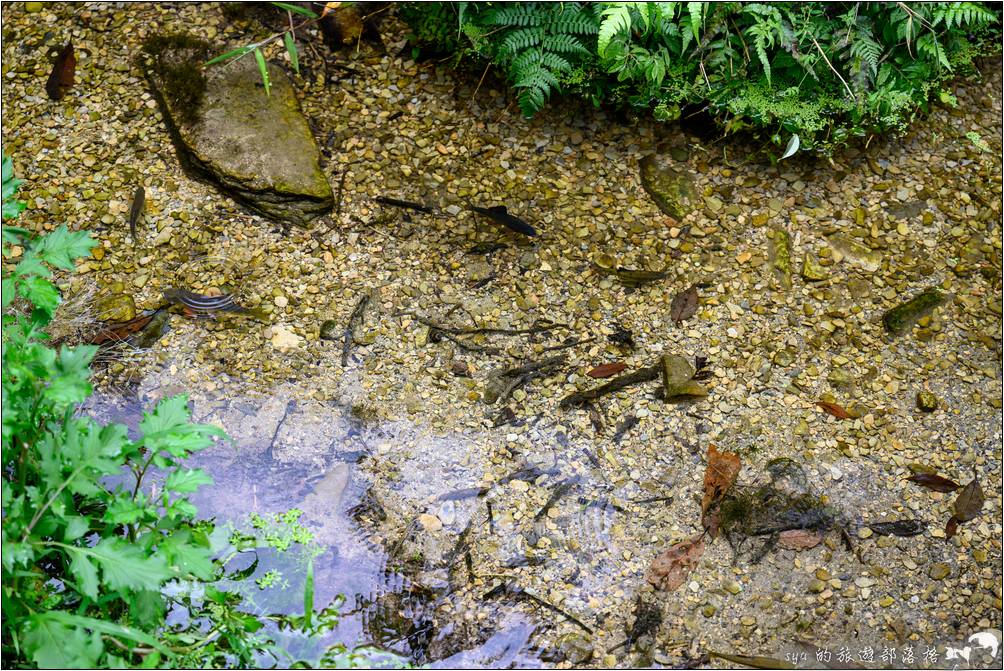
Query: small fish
point(500, 215)
point(138, 201)
point(201, 304)
point(407, 204)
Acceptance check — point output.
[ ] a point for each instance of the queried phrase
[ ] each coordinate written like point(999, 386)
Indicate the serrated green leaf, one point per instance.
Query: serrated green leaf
point(290, 42)
point(15, 554)
point(186, 558)
point(187, 481)
point(75, 528)
point(123, 510)
point(9, 188)
point(125, 566)
point(54, 644)
point(84, 573)
point(105, 627)
point(169, 413)
point(7, 291)
point(61, 247)
point(31, 265)
point(12, 209)
point(263, 71)
point(41, 293)
point(296, 9)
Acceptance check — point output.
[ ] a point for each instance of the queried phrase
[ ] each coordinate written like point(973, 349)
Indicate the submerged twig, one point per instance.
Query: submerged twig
point(563, 488)
point(406, 204)
point(641, 375)
point(519, 593)
point(508, 381)
point(539, 327)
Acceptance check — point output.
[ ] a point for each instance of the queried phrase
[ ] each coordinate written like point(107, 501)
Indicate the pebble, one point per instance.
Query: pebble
point(938, 571)
point(429, 522)
point(926, 401)
point(283, 338)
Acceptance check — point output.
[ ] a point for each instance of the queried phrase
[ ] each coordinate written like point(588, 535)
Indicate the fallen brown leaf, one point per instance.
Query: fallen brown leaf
point(63, 70)
point(116, 333)
point(834, 409)
point(607, 369)
point(684, 304)
point(935, 482)
point(799, 539)
point(969, 502)
point(719, 476)
point(952, 527)
point(670, 569)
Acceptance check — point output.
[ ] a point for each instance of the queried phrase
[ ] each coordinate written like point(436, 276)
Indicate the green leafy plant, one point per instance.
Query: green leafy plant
point(825, 72)
point(93, 560)
point(287, 36)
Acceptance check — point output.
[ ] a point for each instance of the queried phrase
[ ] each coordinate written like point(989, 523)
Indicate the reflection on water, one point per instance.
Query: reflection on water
point(389, 577)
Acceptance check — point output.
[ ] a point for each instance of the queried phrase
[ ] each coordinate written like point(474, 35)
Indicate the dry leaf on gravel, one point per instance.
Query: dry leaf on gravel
point(670, 569)
point(799, 539)
point(834, 409)
point(720, 475)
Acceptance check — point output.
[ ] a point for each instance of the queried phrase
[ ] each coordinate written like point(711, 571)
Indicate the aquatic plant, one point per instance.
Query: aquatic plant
point(93, 561)
point(810, 75)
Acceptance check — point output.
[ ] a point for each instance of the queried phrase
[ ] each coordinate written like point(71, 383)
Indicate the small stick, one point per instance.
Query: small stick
point(546, 326)
point(406, 204)
point(641, 375)
point(356, 315)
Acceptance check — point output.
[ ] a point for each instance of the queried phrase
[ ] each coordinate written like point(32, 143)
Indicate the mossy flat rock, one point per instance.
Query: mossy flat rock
point(900, 319)
point(117, 307)
point(257, 148)
point(669, 184)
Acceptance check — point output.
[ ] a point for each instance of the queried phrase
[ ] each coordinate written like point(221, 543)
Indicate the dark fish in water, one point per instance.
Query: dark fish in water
point(63, 70)
point(138, 201)
point(407, 204)
point(205, 305)
point(500, 215)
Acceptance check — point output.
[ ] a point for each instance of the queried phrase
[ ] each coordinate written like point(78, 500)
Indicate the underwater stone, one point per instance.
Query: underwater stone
point(670, 187)
point(927, 401)
point(901, 318)
point(115, 308)
point(257, 148)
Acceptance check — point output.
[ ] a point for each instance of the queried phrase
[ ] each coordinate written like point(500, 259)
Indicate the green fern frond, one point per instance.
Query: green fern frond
point(616, 21)
point(696, 12)
point(514, 14)
point(554, 62)
point(520, 39)
point(564, 44)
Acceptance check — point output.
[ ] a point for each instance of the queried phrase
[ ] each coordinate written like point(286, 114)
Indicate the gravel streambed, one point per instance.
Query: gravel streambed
point(465, 505)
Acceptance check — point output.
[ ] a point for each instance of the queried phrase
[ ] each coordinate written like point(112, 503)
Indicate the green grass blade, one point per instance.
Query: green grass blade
point(290, 42)
point(263, 69)
point(296, 9)
point(308, 595)
point(240, 51)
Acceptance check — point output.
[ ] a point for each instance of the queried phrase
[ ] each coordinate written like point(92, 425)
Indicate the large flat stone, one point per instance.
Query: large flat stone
point(257, 148)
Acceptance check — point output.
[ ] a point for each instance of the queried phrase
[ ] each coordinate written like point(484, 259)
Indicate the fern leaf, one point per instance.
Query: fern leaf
point(564, 44)
point(696, 11)
point(616, 20)
point(520, 39)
